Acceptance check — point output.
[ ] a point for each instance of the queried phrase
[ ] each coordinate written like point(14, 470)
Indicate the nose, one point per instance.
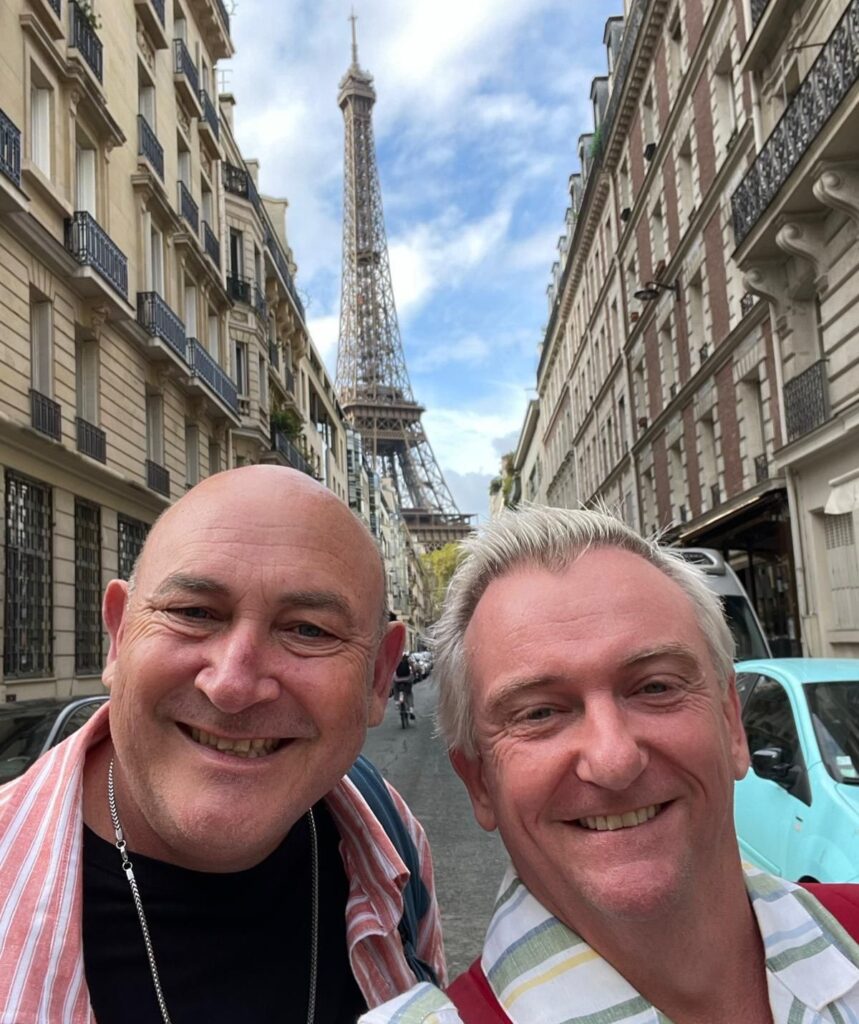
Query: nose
point(610, 755)
point(238, 674)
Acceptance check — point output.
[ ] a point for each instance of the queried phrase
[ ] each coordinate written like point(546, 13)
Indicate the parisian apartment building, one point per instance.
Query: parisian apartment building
point(151, 330)
point(699, 371)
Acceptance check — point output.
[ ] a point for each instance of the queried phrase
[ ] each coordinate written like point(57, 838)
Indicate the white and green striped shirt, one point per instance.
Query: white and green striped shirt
point(541, 971)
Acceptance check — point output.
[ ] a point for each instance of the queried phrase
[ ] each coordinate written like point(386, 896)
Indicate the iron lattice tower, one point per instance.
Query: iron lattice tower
point(372, 380)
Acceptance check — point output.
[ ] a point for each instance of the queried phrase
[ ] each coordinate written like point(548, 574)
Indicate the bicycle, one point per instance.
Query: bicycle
point(403, 707)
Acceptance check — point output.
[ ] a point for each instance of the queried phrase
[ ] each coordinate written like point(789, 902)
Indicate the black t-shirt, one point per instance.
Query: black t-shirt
point(229, 947)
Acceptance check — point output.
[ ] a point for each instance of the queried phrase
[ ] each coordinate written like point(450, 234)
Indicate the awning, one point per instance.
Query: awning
point(843, 497)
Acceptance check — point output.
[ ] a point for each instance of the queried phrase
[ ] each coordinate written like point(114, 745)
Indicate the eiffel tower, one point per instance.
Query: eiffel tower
point(372, 381)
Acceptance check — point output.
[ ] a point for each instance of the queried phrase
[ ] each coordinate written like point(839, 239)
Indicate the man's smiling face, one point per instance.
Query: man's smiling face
point(607, 749)
point(244, 667)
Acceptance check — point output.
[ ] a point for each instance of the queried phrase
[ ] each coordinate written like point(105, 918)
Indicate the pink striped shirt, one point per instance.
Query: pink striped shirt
point(41, 952)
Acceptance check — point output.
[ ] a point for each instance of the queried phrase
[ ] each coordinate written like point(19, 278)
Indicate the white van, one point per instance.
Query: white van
point(746, 628)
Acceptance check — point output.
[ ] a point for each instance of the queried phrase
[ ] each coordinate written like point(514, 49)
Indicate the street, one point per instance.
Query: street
point(468, 861)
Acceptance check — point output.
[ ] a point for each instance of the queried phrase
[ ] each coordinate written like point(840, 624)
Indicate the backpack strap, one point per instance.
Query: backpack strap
point(416, 901)
point(842, 901)
point(474, 999)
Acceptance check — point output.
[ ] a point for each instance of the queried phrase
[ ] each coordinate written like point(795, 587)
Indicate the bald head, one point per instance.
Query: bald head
point(271, 497)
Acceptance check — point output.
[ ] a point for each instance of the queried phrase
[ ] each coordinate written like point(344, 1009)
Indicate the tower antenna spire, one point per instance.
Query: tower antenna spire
point(353, 17)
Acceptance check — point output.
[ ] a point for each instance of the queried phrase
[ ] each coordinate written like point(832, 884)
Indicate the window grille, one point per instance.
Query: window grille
point(88, 647)
point(132, 534)
point(28, 627)
point(843, 569)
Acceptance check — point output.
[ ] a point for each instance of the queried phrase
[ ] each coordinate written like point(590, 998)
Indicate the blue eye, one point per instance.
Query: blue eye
point(307, 629)
point(192, 613)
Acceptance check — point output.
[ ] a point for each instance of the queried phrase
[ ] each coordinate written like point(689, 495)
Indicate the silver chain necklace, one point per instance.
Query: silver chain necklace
point(144, 927)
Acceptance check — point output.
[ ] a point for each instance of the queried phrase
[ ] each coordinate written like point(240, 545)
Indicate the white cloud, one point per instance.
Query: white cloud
point(325, 331)
point(470, 349)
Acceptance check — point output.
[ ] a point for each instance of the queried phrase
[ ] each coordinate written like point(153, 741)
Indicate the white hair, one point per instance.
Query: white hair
point(552, 539)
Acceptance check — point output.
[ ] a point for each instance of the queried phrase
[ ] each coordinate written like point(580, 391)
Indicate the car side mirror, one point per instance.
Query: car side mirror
point(770, 763)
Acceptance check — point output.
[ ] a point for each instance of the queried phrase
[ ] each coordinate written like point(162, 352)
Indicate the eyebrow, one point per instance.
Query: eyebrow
point(323, 600)
point(512, 688)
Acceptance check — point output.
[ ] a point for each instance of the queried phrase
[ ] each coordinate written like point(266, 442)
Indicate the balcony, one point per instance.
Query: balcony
point(831, 77)
point(157, 478)
point(259, 303)
point(92, 440)
point(159, 320)
point(214, 22)
point(279, 260)
point(238, 181)
point(239, 289)
point(758, 8)
point(204, 366)
point(806, 401)
point(152, 16)
point(211, 245)
point(55, 5)
point(92, 247)
point(46, 415)
point(186, 77)
point(210, 125)
point(149, 147)
point(290, 452)
point(84, 39)
point(188, 209)
point(10, 150)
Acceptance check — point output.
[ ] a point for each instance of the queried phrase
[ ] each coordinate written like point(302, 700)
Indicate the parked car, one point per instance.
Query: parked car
point(421, 664)
point(744, 624)
point(797, 810)
point(30, 727)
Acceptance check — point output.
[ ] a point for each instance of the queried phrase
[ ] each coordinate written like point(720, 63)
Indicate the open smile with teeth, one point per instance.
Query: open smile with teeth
point(629, 819)
point(239, 748)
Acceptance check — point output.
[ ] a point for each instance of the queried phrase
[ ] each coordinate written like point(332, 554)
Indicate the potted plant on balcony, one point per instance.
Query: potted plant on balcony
point(88, 13)
point(285, 421)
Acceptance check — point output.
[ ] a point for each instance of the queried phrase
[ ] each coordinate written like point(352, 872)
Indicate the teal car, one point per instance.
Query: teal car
point(797, 809)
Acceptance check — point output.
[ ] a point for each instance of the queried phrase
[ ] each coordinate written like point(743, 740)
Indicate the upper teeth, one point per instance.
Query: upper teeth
point(241, 748)
point(614, 821)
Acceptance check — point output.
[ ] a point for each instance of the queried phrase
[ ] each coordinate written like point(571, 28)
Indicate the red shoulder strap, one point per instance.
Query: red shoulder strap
point(842, 901)
point(474, 999)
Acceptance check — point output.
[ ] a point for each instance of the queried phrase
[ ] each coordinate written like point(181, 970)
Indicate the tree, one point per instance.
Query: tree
point(440, 565)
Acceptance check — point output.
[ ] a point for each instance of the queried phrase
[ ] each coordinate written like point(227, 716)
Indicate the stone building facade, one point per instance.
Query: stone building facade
point(700, 368)
point(152, 333)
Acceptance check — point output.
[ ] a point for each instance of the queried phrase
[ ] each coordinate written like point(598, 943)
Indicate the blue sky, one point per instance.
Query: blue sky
point(480, 106)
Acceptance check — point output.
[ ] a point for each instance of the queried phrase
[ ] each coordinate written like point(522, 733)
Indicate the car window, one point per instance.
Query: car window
point(23, 732)
point(745, 684)
point(769, 721)
point(834, 711)
point(77, 718)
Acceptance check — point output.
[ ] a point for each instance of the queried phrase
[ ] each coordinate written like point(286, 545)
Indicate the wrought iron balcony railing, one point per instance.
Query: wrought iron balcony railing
point(239, 289)
point(238, 181)
point(10, 150)
point(149, 146)
point(188, 208)
point(92, 440)
point(225, 17)
point(806, 401)
point(183, 64)
point(274, 355)
point(210, 114)
point(46, 415)
point(56, 6)
point(758, 8)
point(159, 9)
point(279, 259)
point(84, 38)
point(259, 303)
point(204, 366)
point(211, 245)
point(157, 478)
point(159, 320)
point(832, 75)
point(92, 247)
point(762, 469)
point(290, 452)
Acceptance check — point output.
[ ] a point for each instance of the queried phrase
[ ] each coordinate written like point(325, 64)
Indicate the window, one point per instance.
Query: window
point(677, 481)
point(146, 103)
point(41, 127)
point(192, 454)
point(155, 428)
point(131, 534)
point(843, 569)
point(685, 176)
point(752, 412)
point(695, 316)
point(657, 228)
point(258, 278)
point(41, 345)
point(190, 311)
point(676, 51)
point(185, 167)
point(85, 178)
point(708, 463)
point(769, 721)
point(241, 368)
point(214, 337)
point(88, 646)
point(668, 356)
point(156, 261)
point(86, 380)
point(237, 256)
point(29, 612)
point(263, 384)
point(725, 97)
point(206, 209)
point(648, 125)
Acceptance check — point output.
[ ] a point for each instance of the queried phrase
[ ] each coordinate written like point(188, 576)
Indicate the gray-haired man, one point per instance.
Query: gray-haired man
point(588, 699)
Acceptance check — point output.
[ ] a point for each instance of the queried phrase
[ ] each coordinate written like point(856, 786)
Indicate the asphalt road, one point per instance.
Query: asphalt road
point(468, 862)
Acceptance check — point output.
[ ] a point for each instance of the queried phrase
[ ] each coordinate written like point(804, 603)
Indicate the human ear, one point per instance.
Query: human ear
point(113, 609)
point(388, 655)
point(472, 772)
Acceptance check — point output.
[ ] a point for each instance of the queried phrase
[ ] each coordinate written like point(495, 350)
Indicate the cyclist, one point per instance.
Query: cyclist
point(404, 678)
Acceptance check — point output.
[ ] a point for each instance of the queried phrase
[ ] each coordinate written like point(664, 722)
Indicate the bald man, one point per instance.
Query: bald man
point(195, 851)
